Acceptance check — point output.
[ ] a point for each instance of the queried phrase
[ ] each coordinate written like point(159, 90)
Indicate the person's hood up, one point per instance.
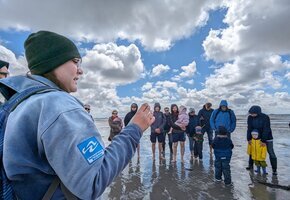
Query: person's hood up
point(255, 110)
point(182, 109)
point(134, 104)
point(157, 105)
point(224, 103)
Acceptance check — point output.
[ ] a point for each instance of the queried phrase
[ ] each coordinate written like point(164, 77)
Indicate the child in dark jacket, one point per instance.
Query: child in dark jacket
point(222, 146)
point(198, 138)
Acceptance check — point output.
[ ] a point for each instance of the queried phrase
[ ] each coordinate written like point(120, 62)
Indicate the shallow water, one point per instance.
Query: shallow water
point(145, 179)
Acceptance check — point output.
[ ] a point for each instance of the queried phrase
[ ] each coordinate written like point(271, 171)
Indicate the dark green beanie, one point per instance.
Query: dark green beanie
point(46, 51)
point(4, 64)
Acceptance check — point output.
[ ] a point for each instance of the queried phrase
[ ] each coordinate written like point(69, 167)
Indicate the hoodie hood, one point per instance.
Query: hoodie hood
point(182, 109)
point(134, 104)
point(157, 105)
point(255, 110)
point(224, 103)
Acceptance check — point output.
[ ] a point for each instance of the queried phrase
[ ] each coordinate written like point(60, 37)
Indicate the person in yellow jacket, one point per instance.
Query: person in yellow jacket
point(258, 152)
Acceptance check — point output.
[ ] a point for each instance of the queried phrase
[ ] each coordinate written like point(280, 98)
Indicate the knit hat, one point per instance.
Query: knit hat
point(255, 132)
point(191, 110)
point(4, 64)
point(198, 129)
point(46, 51)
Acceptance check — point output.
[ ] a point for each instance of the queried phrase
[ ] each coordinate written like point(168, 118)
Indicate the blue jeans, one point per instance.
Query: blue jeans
point(222, 166)
point(191, 142)
point(209, 134)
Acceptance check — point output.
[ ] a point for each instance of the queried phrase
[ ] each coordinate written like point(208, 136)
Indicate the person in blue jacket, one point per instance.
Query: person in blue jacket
point(157, 130)
point(223, 116)
point(261, 122)
point(50, 134)
point(222, 146)
point(190, 129)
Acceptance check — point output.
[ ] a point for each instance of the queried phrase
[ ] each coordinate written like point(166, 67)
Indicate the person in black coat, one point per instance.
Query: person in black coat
point(127, 119)
point(261, 122)
point(204, 119)
point(222, 146)
point(178, 135)
point(190, 129)
point(166, 130)
point(130, 115)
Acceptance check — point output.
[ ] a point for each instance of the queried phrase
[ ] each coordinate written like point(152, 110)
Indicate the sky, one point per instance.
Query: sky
point(187, 52)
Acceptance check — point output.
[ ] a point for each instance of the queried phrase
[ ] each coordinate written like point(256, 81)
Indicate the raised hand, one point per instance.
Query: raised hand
point(143, 117)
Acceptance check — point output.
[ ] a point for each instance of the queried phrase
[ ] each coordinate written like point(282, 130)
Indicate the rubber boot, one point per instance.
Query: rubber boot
point(264, 171)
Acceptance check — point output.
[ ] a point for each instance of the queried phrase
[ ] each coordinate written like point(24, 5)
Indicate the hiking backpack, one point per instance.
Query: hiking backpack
point(13, 100)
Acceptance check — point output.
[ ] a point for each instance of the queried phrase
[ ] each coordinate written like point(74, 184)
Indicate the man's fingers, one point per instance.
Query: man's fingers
point(144, 107)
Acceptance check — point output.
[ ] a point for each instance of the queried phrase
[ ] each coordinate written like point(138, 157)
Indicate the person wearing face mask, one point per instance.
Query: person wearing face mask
point(52, 148)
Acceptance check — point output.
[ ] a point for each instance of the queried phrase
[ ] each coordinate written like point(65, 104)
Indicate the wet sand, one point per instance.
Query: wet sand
point(146, 179)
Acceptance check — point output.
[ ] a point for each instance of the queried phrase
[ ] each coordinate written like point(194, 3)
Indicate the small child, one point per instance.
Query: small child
point(183, 119)
point(222, 146)
point(198, 138)
point(258, 152)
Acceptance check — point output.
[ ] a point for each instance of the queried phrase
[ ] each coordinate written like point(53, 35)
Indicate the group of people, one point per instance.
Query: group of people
point(51, 148)
point(218, 124)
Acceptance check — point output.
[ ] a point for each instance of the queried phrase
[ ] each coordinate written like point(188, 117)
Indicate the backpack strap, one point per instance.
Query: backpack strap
point(228, 110)
point(53, 187)
point(14, 100)
point(17, 98)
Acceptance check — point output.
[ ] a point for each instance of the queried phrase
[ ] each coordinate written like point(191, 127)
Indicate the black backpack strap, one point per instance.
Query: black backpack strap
point(53, 187)
point(228, 110)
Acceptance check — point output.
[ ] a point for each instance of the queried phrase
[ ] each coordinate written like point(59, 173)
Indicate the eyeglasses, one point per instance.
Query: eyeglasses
point(166, 110)
point(87, 109)
point(114, 113)
point(78, 62)
point(4, 73)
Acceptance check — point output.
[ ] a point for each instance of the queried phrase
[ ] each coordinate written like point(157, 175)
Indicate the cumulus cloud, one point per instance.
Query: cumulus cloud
point(188, 71)
point(18, 65)
point(111, 64)
point(159, 69)
point(253, 26)
point(287, 76)
point(156, 24)
point(146, 86)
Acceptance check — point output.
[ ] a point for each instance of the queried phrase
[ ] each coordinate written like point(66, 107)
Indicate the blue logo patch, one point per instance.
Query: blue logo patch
point(91, 149)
